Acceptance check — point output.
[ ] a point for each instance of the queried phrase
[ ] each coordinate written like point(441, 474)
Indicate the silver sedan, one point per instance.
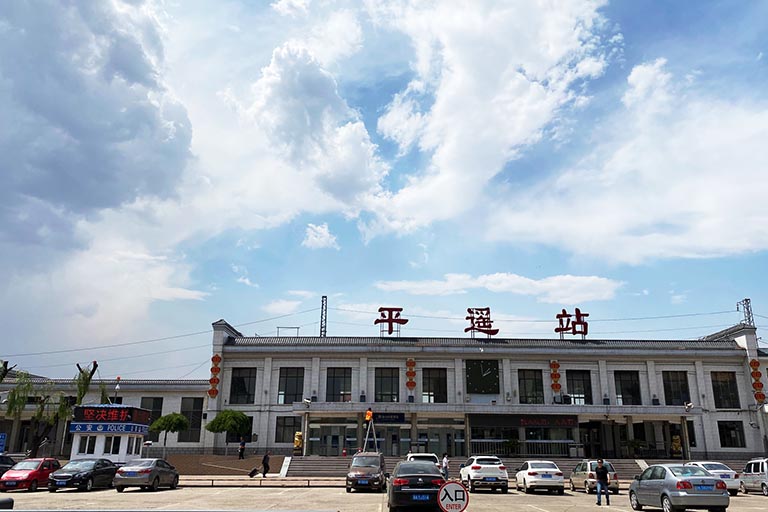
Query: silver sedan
point(148, 474)
point(675, 486)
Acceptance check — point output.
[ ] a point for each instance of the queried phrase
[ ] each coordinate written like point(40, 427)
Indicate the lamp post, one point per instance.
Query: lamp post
point(117, 388)
point(684, 432)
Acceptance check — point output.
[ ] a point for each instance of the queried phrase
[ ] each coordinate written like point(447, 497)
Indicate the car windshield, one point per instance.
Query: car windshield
point(606, 465)
point(365, 461)
point(543, 465)
point(428, 458)
point(716, 466)
point(27, 464)
point(688, 471)
point(488, 462)
point(417, 469)
point(79, 465)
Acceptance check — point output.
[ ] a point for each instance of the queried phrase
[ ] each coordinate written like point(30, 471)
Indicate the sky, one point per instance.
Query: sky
point(166, 164)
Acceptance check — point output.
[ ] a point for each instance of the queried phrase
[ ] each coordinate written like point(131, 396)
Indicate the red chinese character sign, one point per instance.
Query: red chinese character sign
point(480, 321)
point(391, 317)
point(577, 326)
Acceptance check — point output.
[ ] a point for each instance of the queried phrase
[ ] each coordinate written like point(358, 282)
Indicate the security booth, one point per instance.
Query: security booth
point(110, 431)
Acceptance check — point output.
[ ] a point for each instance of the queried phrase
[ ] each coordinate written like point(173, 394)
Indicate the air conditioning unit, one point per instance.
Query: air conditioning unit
point(557, 399)
point(362, 398)
point(410, 399)
point(567, 399)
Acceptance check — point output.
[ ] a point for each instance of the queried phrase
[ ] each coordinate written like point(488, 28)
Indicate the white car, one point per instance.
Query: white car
point(540, 474)
point(484, 471)
point(720, 470)
point(429, 457)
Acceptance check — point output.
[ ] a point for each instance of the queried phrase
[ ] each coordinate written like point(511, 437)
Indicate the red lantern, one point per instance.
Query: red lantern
point(410, 374)
point(554, 365)
point(214, 381)
point(556, 386)
point(754, 364)
point(757, 385)
point(760, 396)
point(410, 384)
point(756, 375)
point(555, 376)
point(410, 363)
point(216, 359)
point(215, 370)
point(213, 393)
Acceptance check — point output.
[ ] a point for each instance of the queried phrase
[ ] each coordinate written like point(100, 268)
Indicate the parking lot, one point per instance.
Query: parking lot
point(326, 499)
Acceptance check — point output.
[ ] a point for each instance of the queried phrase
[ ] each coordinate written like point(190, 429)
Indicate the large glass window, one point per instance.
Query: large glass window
point(242, 389)
point(434, 386)
point(579, 384)
point(676, 388)
point(531, 386)
point(155, 406)
point(339, 385)
point(725, 390)
point(286, 427)
point(192, 408)
point(731, 434)
point(387, 385)
point(112, 445)
point(291, 385)
point(627, 387)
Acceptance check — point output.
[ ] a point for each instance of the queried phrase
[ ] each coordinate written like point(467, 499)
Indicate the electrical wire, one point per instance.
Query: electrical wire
point(207, 345)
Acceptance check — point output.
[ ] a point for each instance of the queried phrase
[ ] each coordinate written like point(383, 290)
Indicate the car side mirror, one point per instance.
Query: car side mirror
point(637, 477)
point(173, 467)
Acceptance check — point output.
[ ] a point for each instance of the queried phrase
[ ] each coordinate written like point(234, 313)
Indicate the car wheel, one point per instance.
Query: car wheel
point(349, 489)
point(743, 488)
point(561, 491)
point(764, 488)
point(33, 486)
point(666, 504)
point(175, 482)
point(51, 489)
point(587, 490)
point(733, 492)
point(88, 485)
point(155, 484)
point(633, 502)
point(472, 487)
point(573, 487)
point(526, 488)
point(119, 488)
point(505, 489)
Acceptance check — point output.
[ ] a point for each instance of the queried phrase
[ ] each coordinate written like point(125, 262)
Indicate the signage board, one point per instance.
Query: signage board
point(108, 428)
point(388, 417)
point(3, 437)
point(452, 497)
point(111, 414)
point(525, 420)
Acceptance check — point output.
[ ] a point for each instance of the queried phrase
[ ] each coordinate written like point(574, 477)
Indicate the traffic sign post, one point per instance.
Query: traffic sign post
point(453, 497)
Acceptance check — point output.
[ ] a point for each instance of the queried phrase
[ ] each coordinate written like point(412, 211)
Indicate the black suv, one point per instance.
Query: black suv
point(367, 471)
point(5, 463)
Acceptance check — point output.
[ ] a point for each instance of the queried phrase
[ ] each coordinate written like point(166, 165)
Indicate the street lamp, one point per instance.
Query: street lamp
point(684, 431)
point(117, 388)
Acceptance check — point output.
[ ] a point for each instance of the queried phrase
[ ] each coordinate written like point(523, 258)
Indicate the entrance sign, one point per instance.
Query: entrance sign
point(390, 316)
point(453, 497)
point(480, 321)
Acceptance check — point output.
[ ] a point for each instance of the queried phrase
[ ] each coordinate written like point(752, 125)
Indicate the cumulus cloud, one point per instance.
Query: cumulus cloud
point(563, 289)
point(319, 237)
point(282, 307)
point(654, 186)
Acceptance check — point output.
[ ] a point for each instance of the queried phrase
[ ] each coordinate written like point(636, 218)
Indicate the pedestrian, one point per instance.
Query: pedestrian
point(445, 465)
point(241, 449)
point(603, 478)
point(265, 464)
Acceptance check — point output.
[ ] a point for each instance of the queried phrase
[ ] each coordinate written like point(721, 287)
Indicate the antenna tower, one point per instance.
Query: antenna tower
point(747, 305)
point(324, 316)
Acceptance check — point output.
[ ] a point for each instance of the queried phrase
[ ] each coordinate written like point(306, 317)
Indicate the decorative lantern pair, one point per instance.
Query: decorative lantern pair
point(757, 386)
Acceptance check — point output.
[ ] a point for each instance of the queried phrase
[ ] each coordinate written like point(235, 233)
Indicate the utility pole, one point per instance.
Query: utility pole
point(746, 305)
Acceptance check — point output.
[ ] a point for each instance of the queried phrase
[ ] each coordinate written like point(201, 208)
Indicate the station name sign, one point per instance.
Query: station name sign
point(522, 420)
point(111, 414)
point(108, 428)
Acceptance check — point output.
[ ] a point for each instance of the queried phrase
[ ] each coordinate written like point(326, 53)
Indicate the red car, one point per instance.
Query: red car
point(28, 474)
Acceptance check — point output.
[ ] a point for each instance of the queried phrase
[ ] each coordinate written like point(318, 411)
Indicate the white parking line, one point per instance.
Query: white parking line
point(538, 508)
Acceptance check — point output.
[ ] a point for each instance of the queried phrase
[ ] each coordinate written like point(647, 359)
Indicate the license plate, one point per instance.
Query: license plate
point(546, 476)
point(131, 473)
point(61, 482)
point(363, 482)
point(420, 497)
point(725, 476)
point(490, 479)
point(704, 487)
point(10, 483)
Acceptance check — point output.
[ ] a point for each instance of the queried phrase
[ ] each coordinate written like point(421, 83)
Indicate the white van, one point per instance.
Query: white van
point(755, 476)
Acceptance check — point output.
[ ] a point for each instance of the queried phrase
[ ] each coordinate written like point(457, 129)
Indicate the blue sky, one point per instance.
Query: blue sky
point(167, 164)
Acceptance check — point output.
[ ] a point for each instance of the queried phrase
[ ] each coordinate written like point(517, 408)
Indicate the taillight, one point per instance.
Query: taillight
point(400, 481)
point(502, 468)
point(120, 472)
point(735, 475)
point(532, 473)
point(558, 474)
point(475, 467)
point(591, 476)
point(616, 477)
point(145, 471)
point(438, 481)
point(684, 484)
point(720, 485)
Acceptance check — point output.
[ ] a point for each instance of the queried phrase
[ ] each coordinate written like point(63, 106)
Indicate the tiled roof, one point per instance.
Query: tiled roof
point(704, 344)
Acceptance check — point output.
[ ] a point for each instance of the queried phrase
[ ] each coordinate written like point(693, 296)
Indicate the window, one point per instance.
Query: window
point(291, 385)
point(242, 388)
point(731, 434)
point(131, 440)
point(155, 407)
point(192, 408)
point(725, 390)
point(286, 427)
point(339, 385)
point(531, 386)
point(676, 388)
point(87, 445)
point(434, 386)
point(579, 384)
point(112, 445)
point(627, 387)
point(387, 385)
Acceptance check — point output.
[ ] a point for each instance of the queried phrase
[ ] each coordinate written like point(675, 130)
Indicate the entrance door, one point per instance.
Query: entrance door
point(589, 434)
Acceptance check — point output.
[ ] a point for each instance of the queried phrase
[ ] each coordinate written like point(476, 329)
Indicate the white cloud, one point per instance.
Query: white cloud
point(319, 237)
point(291, 7)
point(242, 276)
point(677, 298)
point(282, 307)
point(423, 260)
point(654, 186)
point(563, 289)
point(304, 294)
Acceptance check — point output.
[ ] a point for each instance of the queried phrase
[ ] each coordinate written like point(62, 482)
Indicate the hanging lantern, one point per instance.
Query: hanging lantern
point(410, 384)
point(215, 370)
point(757, 385)
point(756, 375)
point(214, 381)
point(754, 364)
point(556, 386)
point(410, 374)
point(410, 363)
point(554, 365)
point(213, 392)
point(555, 376)
point(760, 397)
point(216, 359)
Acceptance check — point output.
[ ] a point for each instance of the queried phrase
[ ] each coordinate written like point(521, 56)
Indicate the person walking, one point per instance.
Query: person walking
point(445, 465)
point(265, 464)
point(241, 448)
point(603, 478)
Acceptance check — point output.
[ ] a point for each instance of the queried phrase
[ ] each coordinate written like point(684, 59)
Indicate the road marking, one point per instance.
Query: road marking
point(537, 508)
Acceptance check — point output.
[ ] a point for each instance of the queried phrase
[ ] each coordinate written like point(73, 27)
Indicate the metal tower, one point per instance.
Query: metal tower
point(747, 305)
point(324, 316)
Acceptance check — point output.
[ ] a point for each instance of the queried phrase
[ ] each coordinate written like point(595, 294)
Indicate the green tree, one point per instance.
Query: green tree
point(173, 422)
point(231, 422)
point(49, 410)
point(83, 381)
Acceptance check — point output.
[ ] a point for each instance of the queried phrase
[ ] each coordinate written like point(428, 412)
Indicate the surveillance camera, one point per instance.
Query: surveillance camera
point(688, 406)
point(307, 401)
